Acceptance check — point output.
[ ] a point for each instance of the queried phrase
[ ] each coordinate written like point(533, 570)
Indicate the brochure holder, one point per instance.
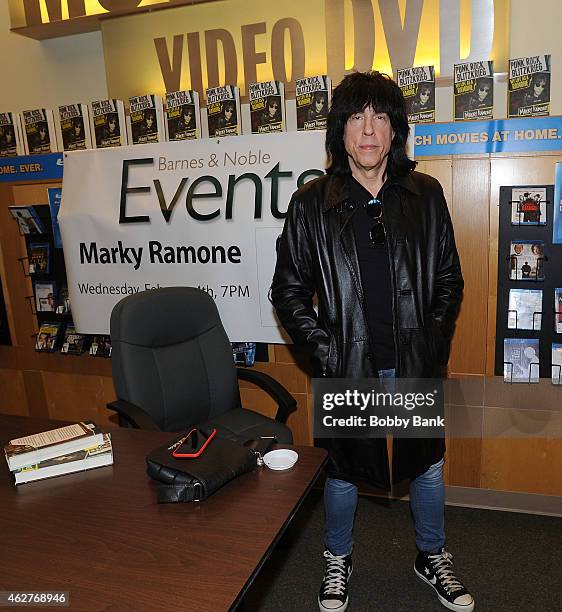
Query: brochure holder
point(528, 226)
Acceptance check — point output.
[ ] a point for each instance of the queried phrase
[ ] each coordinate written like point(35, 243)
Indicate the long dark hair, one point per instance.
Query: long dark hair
point(356, 92)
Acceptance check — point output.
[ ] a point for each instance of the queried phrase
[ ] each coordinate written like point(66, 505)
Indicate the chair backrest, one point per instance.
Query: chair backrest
point(171, 356)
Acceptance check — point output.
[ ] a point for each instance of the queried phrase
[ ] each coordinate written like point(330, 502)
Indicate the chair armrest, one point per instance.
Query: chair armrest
point(132, 415)
point(286, 403)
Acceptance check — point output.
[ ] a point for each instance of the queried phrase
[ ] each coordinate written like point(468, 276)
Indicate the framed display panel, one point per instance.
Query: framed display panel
point(528, 263)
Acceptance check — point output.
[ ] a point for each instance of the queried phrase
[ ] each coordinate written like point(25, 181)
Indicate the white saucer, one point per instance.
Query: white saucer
point(280, 459)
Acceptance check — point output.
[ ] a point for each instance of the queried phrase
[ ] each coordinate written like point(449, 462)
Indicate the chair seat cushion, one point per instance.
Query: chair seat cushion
point(242, 425)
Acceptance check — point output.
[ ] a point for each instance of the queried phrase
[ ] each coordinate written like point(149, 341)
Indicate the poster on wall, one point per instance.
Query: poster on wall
point(208, 216)
point(528, 89)
point(418, 86)
point(473, 91)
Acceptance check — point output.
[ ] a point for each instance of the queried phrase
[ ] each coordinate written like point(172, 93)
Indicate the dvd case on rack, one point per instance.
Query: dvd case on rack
point(107, 121)
point(528, 206)
point(558, 310)
point(244, 353)
point(313, 95)
point(473, 91)
point(223, 111)
point(101, 346)
point(47, 338)
point(526, 260)
point(28, 219)
point(556, 374)
point(73, 127)
point(39, 134)
point(521, 359)
point(528, 89)
point(267, 107)
point(524, 310)
point(73, 342)
point(45, 296)
point(418, 87)
point(39, 258)
point(11, 143)
point(183, 117)
point(63, 301)
point(145, 123)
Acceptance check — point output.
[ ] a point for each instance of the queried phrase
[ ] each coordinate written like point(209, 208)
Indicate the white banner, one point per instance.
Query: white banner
point(202, 213)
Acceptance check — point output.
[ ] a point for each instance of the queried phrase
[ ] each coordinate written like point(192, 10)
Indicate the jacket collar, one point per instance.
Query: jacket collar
point(338, 188)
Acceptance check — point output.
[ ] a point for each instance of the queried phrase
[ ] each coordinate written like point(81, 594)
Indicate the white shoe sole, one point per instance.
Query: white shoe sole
point(342, 608)
point(443, 601)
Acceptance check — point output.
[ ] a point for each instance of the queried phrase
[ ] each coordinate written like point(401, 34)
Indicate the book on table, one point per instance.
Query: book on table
point(30, 450)
point(81, 460)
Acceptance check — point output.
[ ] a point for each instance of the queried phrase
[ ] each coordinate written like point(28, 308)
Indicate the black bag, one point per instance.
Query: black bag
point(185, 480)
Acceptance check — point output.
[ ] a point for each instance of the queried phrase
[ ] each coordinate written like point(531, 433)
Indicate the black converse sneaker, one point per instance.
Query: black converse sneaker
point(333, 592)
point(437, 570)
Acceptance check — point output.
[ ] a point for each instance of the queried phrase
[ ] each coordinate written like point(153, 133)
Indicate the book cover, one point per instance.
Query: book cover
point(183, 117)
point(77, 461)
point(107, 121)
point(45, 296)
point(558, 310)
point(521, 359)
point(73, 127)
point(528, 88)
point(418, 87)
point(73, 342)
point(313, 95)
point(528, 206)
point(525, 309)
point(39, 134)
point(473, 91)
point(145, 123)
point(11, 143)
point(526, 260)
point(223, 111)
point(47, 337)
point(39, 258)
point(28, 219)
point(100, 346)
point(267, 107)
point(556, 364)
point(30, 450)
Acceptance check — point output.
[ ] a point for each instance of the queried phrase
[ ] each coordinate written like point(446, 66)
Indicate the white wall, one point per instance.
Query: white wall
point(51, 72)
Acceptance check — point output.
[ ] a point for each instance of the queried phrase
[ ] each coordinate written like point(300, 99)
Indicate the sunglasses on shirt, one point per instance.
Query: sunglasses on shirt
point(377, 233)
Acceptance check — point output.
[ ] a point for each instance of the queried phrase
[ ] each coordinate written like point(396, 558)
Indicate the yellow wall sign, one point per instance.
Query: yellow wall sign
point(25, 13)
point(242, 41)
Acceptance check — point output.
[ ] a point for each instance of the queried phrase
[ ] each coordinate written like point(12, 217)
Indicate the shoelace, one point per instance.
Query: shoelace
point(334, 581)
point(443, 567)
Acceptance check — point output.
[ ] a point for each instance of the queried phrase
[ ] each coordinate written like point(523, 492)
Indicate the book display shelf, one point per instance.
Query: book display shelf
point(41, 382)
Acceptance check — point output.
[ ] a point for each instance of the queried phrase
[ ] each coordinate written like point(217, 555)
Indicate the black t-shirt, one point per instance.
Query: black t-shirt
point(374, 264)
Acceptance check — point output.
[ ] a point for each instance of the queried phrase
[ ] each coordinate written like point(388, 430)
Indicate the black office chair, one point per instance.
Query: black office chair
point(173, 368)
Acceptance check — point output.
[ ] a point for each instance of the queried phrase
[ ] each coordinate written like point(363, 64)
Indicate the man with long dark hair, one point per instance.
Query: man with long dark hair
point(374, 241)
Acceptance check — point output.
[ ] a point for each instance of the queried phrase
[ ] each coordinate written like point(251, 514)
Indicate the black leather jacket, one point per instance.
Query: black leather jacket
point(317, 255)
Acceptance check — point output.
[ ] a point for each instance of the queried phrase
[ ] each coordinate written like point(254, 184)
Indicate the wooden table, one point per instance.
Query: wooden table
point(101, 535)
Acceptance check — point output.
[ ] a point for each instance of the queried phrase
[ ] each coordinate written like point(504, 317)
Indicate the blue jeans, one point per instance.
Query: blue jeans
point(427, 501)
